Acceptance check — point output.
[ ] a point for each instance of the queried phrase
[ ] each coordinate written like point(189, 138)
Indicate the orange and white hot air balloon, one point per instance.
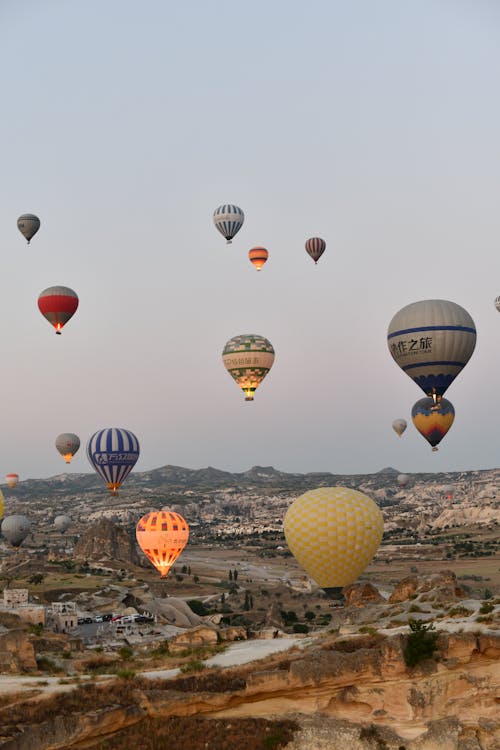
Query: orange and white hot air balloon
point(12, 480)
point(258, 256)
point(162, 535)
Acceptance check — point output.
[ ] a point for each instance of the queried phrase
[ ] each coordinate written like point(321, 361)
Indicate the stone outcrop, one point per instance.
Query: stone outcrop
point(443, 585)
point(104, 540)
point(16, 652)
point(174, 611)
point(202, 635)
point(361, 594)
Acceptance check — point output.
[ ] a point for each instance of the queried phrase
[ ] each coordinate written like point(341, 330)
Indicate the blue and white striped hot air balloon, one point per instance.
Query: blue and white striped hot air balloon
point(432, 341)
point(228, 219)
point(113, 453)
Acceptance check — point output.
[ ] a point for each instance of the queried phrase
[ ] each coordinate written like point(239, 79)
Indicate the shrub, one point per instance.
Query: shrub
point(195, 665)
point(197, 607)
point(486, 608)
point(125, 674)
point(300, 627)
point(125, 653)
point(421, 643)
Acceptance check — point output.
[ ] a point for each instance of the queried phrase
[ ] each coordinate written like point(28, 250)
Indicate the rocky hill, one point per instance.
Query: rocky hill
point(104, 540)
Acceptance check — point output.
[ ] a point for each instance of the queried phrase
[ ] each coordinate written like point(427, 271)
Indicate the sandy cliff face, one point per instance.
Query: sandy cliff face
point(356, 694)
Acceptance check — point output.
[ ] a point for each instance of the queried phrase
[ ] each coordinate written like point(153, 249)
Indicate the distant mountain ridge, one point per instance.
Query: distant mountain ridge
point(169, 477)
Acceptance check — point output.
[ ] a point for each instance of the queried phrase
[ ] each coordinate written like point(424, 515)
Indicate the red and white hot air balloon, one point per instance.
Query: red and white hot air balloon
point(58, 304)
point(12, 480)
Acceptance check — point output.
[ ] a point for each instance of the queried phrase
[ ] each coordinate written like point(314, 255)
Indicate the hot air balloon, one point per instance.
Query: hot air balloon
point(2, 504)
point(449, 491)
point(333, 532)
point(228, 219)
point(432, 341)
point(58, 304)
point(399, 426)
point(12, 480)
point(28, 225)
point(315, 246)
point(15, 529)
point(67, 443)
point(162, 536)
point(433, 420)
point(403, 479)
point(258, 256)
point(497, 303)
point(248, 358)
point(113, 453)
point(62, 523)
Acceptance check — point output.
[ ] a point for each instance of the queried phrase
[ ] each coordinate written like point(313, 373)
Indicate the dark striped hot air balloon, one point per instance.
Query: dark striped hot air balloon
point(228, 219)
point(113, 453)
point(58, 304)
point(258, 256)
point(315, 247)
point(433, 420)
point(28, 225)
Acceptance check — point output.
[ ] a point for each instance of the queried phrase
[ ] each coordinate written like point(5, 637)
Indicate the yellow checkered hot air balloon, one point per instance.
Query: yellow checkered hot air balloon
point(333, 532)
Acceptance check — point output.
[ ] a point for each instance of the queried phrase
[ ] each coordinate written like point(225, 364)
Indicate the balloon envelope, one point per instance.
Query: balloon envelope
point(67, 443)
point(58, 304)
point(449, 491)
point(28, 225)
point(248, 358)
point(228, 219)
point(2, 504)
point(62, 523)
point(333, 532)
point(403, 480)
point(15, 529)
point(162, 536)
point(315, 247)
point(399, 426)
point(433, 420)
point(12, 480)
point(258, 256)
point(497, 303)
point(113, 453)
point(432, 341)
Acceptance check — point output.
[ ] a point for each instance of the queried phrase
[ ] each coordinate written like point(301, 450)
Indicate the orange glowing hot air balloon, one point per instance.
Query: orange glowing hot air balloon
point(258, 256)
point(162, 536)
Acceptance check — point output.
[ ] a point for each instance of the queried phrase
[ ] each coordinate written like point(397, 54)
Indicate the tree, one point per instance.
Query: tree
point(235, 575)
point(36, 579)
point(421, 642)
point(230, 575)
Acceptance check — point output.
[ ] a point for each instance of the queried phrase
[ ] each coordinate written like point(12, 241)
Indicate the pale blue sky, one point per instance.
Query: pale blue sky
point(372, 124)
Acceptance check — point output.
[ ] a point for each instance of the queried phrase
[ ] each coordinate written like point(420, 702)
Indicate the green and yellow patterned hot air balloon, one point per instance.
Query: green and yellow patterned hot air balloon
point(333, 532)
point(248, 358)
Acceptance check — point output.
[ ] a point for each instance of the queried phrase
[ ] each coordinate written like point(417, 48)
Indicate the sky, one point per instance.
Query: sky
point(125, 124)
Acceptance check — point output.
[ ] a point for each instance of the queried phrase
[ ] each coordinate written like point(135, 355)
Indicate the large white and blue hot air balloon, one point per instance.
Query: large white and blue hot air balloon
point(228, 219)
point(432, 341)
point(113, 453)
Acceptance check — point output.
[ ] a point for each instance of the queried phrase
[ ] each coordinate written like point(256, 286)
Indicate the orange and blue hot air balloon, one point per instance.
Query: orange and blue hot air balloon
point(433, 420)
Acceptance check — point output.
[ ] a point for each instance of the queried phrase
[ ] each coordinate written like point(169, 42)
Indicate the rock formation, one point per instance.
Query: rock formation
point(104, 540)
point(16, 652)
point(443, 584)
point(362, 594)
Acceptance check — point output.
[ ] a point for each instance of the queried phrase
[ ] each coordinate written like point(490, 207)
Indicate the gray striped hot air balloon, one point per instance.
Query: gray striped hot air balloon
point(248, 358)
point(432, 341)
point(28, 225)
point(497, 303)
point(15, 529)
point(403, 479)
point(67, 443)
point(228, 219)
